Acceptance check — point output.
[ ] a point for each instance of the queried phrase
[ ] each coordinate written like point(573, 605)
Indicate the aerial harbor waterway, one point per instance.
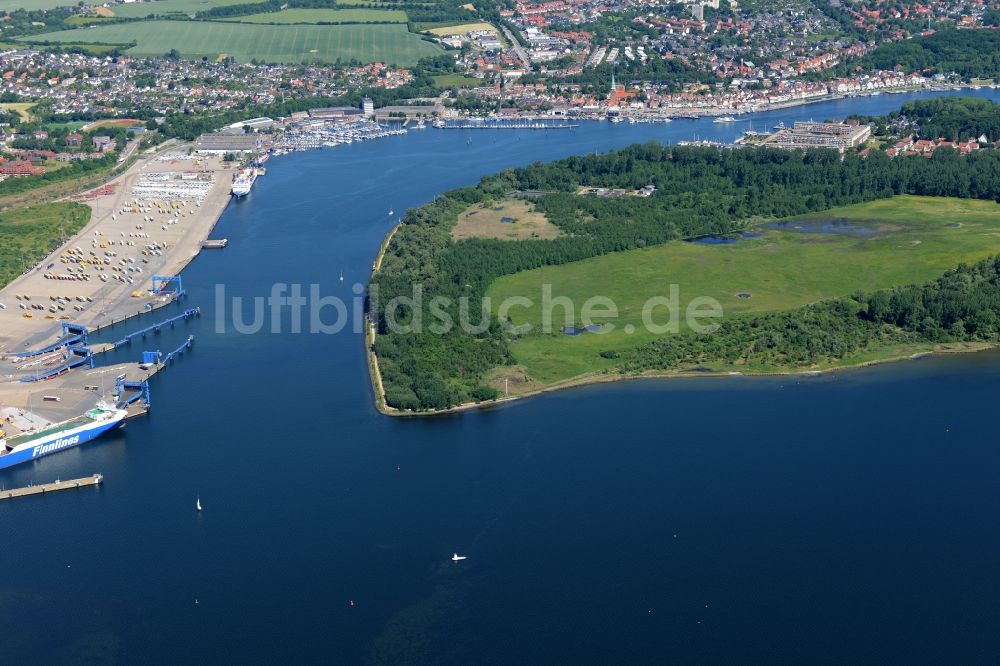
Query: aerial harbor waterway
point(850, 516)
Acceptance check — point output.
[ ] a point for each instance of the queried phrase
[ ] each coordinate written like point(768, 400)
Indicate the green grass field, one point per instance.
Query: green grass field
point(457, 81)
point(89, 49)
point(243, 41)
point(28, 234)
point(87, 20)
point(188, 7)
point(780, 270)
point(165, 7)
point(71, 125)
point(311, 16)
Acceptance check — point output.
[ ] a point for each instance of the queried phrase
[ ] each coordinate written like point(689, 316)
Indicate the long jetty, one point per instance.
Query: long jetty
point(506, 126)
point(41, 489)
point(155, 328)
point(152, 307)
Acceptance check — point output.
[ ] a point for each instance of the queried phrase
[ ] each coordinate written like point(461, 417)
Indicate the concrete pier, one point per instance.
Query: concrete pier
point(43, 488)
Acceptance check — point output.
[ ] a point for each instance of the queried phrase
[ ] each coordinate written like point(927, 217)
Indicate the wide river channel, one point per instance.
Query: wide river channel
point(848, 518)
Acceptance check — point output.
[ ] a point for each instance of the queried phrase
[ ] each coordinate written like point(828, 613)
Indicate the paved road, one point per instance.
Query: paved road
point(516, 46)
point(129, 149)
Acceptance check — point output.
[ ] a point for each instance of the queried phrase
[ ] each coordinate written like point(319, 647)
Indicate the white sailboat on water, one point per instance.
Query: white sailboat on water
point(197, 503)
point(457, 558)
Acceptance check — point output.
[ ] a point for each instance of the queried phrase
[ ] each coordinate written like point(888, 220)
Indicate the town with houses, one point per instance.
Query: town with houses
point(634, 60)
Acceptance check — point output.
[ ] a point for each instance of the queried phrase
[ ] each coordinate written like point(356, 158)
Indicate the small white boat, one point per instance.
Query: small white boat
point(197, 503)
point(725, 119)
point(341, 276)
point(457, 558)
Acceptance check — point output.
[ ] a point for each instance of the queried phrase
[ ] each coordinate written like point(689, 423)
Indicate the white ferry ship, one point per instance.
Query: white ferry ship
point(244, 182)
point(60, 436)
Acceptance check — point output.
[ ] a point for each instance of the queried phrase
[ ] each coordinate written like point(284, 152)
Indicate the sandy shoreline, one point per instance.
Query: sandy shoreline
point(608, 378)
point(374, 373)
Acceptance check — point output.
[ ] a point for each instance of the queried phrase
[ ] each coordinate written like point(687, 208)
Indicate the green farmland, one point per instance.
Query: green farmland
point(166, 7)
point(87, 20)
point(268, 43)
point(187, 7)
point(313, 16)
point(915, 239)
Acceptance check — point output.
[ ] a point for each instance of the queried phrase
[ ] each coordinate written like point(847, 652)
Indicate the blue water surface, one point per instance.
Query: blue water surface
point(848, 518)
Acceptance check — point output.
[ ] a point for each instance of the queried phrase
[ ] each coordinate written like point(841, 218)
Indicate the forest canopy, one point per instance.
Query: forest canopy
point(972, 54)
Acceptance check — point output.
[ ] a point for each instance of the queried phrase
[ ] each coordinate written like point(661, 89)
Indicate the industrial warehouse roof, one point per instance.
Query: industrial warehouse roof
point(230, 143)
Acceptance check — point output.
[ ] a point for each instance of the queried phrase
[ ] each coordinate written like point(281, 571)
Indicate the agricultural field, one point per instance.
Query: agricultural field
point(90, 49)
point(269, 43)
point(871, 246)
point(386, 5)
point(83, 47)
point(312, 16)
point(28, 234)
point(87, 20)
point(165, 7)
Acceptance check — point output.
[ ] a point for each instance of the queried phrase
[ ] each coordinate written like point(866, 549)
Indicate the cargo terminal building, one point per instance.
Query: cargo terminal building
point(806, 135)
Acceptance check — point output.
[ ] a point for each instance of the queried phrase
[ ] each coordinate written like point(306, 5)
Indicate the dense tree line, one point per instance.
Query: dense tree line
point(968, 53)
point(952, 118)
point(33, 21)
point(699, 191)
point(72, 170)
point(56, 140)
